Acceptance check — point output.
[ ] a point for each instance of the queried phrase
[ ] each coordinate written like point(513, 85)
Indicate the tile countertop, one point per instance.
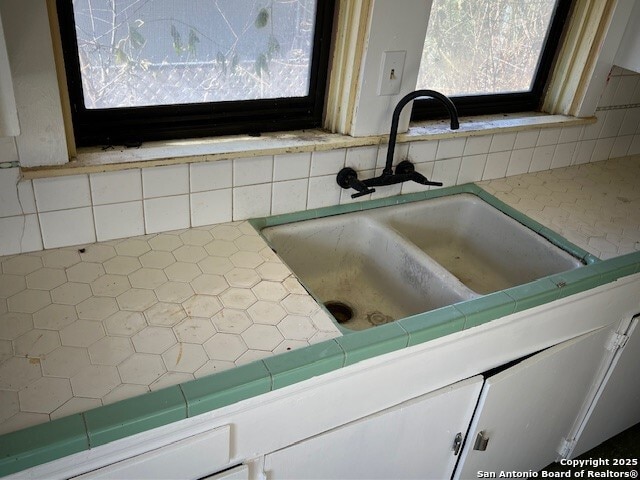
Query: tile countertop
point(87, 326)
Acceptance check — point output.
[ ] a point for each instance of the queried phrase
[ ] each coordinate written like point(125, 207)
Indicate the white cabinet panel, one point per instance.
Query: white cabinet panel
point(617, 406)
point(193, 457)
point(411, 440)
point(527, 410)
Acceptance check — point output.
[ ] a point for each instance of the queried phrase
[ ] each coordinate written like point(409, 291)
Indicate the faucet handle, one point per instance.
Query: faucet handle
point(407, 168)
point(348, 178)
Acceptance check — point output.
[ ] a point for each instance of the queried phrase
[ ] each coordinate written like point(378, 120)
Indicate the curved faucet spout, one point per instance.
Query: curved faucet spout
point(395, 119)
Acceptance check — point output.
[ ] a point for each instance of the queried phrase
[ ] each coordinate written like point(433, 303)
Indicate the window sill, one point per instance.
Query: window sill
point(151, 154)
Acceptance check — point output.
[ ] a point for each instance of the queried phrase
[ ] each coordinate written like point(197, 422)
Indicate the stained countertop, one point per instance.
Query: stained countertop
point(86, 326)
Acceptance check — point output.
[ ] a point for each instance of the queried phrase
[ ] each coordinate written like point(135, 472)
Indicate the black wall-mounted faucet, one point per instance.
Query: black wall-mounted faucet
point(405, 170)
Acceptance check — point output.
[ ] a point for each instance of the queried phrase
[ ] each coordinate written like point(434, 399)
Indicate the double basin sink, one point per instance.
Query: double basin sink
point(375, 266)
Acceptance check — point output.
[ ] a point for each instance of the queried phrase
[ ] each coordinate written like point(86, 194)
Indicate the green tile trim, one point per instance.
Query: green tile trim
point(484, 309)
point(373, 342)
point(615, 268)
point(576, 281)
point(225, 388)
point(434, 324)
point(42, 443)
point(134, 415)
point(533, 294)
point(298, 365)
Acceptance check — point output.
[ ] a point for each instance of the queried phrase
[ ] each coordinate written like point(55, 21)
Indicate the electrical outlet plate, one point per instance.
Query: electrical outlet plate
point(391, 69)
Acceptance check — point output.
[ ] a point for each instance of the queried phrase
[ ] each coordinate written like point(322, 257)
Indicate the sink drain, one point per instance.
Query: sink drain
point(340, 311)
point(377, 318)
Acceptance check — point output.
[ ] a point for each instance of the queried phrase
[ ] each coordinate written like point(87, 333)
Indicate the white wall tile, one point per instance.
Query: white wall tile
point(20, 234)
point(446, 171)
point(67, 227)
point(9, 204)
point(328, 162)
point(634, 148)
point(59, 193)
point(119, 220)
point(450, 148)
point(477, 145)
point(362, 158)
point(519, 161)
point(549, 136)
point(252, 171)
point(526, 139)
point(165, 181)
point(542, 158)
point(502, 142)
point(207, 176)
point(602, 149)
point(289, 196)
point(621, 146)
point(583, 153)
point(323, 192)
point(496, 167)
point(563, 154)
point(291, 166)
point(471, 168)
point(592, 131)
point(166, 213)
point(570, 134)
point(251, 201)
point(420, 152)
point(631, 122)
point(211, 207)
point(116, 187)
point(27, 196)
point(612, 123)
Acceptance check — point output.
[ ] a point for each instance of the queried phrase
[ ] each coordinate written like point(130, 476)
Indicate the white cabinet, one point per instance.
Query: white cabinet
point(193, 457)
point(526, 411)
point(412, 440)
point(617, 403)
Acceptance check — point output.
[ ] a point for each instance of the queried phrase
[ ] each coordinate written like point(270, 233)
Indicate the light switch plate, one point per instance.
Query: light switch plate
point(391, 69)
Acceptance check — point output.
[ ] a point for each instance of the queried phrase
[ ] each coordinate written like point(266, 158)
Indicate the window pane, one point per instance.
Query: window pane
point(478, 47)
point(163, 52)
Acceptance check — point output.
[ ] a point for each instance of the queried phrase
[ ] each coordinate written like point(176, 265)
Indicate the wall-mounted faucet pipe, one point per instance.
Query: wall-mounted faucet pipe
point(395, 119)
point(405, 171)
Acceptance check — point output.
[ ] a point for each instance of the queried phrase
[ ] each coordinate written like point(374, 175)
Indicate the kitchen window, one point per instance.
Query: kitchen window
point(141, 70)
point(489, 56)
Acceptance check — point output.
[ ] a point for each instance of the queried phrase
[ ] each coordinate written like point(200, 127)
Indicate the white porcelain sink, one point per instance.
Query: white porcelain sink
point(384, 264)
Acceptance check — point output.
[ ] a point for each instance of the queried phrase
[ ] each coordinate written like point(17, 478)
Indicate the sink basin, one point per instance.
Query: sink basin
point(487, 250)
point(374, 266)
point(364, 271)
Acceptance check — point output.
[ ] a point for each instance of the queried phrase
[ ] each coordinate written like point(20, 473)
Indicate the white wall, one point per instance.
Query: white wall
point(28, 39)
point(396, 29)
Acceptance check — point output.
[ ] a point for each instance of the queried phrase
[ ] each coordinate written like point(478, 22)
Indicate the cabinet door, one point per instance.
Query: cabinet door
point(617, 405)
point(526, 411)
point(412, 440)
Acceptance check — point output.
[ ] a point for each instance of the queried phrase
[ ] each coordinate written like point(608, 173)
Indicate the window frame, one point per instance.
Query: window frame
point(474, 105)
point(133, 125)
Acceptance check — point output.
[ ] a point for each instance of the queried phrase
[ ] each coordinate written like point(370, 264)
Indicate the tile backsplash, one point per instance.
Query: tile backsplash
point(80, 209)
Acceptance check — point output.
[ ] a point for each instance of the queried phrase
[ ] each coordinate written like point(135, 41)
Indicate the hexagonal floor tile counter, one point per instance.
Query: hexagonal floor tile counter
point(87, 326)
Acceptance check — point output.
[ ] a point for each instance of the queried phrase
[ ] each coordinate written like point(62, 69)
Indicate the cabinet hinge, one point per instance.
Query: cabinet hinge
point(618, 340)
point(566, 447)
